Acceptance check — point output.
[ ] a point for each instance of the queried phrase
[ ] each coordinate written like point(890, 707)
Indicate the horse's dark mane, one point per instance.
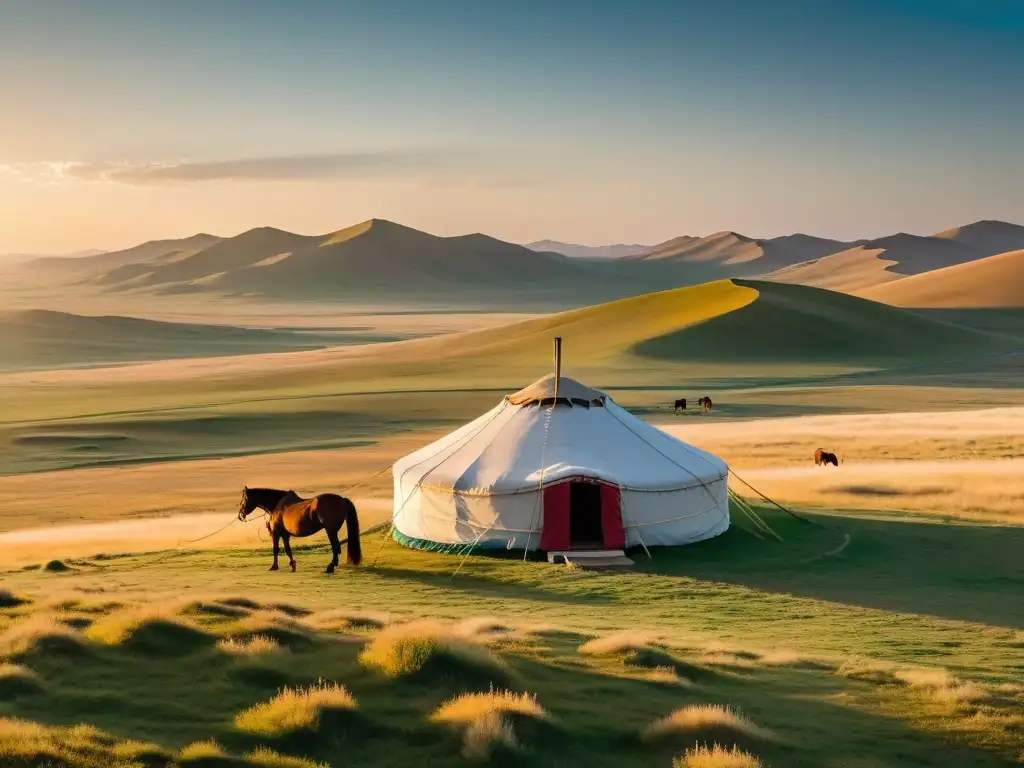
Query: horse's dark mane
point(262, 495)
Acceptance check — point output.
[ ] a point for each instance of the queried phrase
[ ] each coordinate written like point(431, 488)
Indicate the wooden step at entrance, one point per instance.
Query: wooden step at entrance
point(593, 559)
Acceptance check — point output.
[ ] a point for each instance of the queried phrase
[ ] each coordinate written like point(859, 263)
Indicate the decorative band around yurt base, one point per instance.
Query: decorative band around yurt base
point(433, 546)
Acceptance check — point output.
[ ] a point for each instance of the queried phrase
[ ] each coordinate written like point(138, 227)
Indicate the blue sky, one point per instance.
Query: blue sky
point(584, 121)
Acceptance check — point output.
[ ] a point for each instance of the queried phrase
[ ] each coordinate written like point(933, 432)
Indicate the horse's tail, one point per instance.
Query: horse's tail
point(355, 549)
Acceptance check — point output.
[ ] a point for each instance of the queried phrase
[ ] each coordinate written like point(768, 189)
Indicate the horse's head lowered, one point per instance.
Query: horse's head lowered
point(246, 506)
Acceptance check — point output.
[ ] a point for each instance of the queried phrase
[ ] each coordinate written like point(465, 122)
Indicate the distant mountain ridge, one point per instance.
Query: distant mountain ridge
point(384, 262)
point(885, 259)
point(376, 259)
point(618, 251)
point(152, 249)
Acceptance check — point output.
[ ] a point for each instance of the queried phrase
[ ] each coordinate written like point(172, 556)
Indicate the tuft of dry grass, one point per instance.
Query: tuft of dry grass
point(612, 645)
point(23, 742)
point(277, 626)
point(155, 628)
point(409, 649)
point(481, 626)
point(10, 600)
point(940, 685)
point(706, 723)
point(16, 680)
point(211, 609)
point(716, 757)
point(295, 709)
point(484, 720)
point(239, 602)
point(41, 633)
point(868, 670)
point(268, 758)
point(468, 706)
point(935, 682)
point(343, 620)
point(201, 750)
point(256, 645)
point(485, 733)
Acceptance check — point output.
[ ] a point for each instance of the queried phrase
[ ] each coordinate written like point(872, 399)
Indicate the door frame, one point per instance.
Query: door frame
point(555, 535)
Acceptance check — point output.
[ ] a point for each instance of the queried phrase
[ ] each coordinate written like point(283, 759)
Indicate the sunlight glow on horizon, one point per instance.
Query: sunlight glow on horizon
point(603, 123)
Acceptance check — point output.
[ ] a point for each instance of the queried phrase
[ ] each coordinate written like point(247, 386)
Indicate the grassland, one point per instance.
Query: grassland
point(879, 633)
point(758, 349)
point(886, 655)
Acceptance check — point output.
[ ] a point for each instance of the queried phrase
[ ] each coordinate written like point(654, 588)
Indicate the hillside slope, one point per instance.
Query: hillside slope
point(743, 321)
point(799, 323)
point(995, 281)
point(33, 339)
point(878, 261)
point(738, 254)
point(884, 259)
point(143, 253)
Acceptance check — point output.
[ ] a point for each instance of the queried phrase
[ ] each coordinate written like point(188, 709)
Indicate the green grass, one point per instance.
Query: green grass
point(922, 652)
point(759, 349)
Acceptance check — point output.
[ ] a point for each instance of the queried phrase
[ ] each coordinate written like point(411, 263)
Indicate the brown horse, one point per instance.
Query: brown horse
point(822, 457)
point(289, 515)
point(705, 403)
point(681, 404)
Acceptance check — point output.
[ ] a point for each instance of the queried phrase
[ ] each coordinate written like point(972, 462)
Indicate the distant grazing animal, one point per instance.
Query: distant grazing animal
point(290, 515)
point(681, 404)
point(705, 403)
point(824, 457)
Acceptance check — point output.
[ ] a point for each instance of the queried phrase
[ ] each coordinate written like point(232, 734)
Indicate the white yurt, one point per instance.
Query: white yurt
point(558, 467)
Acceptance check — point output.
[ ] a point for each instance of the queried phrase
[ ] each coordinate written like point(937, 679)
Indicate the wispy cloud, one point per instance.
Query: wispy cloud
point(324, 167)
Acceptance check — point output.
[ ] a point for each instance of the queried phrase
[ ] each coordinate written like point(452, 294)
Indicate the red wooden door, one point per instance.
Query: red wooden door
point(554, 534)
point(611, 517)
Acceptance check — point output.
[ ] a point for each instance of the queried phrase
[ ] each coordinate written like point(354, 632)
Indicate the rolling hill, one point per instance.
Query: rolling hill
point(35, 339)
point(995, 281)
point(743, 321)
point(152, 250)
point(889, 258)
point(738, 254)
point(617, 251)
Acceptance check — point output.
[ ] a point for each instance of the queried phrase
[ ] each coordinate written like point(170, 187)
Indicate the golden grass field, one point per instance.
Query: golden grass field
point(139, 626)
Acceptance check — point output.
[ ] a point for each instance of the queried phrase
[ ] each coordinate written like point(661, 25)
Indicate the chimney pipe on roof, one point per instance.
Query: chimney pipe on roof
point(558, 364)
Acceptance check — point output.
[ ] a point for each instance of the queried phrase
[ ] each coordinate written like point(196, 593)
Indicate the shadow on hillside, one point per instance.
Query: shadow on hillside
point(952, 571)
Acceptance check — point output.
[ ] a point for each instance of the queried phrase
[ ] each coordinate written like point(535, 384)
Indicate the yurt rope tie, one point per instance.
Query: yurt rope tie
point(754, 517)
point(458, 445)
point(707, 490)
point(540, 483)
point(775, 503)
point(644, 440)
point(622, 504)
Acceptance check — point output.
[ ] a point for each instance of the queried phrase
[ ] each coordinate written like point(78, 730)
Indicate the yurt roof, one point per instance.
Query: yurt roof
point(570, 392)
point(514, 449)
